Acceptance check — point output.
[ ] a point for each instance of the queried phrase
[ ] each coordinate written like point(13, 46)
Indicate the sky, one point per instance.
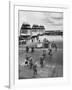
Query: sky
point(50, 20)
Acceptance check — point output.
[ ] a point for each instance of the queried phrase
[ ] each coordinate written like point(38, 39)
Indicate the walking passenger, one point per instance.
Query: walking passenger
point(55, 47)
point(41, 62)
point(32, 49)
point(34, 70)
point(44, 54)
point(27, 49)
point(31, 62)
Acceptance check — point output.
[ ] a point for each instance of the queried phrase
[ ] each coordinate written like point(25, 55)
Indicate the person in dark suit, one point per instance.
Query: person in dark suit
point(41, 62)
point(31, 63)
point(32, 49)
point(27, 49)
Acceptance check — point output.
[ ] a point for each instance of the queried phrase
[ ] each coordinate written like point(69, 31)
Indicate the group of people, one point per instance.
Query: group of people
point(27, 49)
point(29, 59)
point(29, 63)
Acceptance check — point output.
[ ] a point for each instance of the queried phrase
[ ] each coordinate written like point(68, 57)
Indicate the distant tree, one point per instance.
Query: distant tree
point(24, 28)
point(35, 27)
point(41, 27)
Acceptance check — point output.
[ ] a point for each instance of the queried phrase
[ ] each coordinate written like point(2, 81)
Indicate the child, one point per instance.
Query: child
point(26, 60)
point(50, 52)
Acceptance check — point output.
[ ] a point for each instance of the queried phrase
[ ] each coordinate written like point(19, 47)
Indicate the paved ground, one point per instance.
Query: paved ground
point(46, 71)
point(53, 65)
